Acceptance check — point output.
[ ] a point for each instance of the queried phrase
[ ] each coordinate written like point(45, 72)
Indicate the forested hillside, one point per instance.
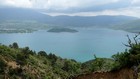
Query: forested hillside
point(23, 63)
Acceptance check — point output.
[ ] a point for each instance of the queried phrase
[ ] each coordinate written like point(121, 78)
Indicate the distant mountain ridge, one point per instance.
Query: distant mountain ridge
point(76, 21)
point(131, 26)
point(21, 14)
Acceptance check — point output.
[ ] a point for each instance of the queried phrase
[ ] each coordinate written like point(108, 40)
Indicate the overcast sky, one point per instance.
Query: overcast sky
point(79, 7)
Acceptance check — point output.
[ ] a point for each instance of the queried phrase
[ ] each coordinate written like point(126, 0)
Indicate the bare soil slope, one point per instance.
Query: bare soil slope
point(121, 74)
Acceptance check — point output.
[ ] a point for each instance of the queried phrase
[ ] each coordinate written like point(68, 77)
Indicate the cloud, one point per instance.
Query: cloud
point(135, 2)
point(129, 11)
point(55, 4)
point(68, 4)
point(65, 5)
point(16, 3)
point(39, 4)
point(79, 7)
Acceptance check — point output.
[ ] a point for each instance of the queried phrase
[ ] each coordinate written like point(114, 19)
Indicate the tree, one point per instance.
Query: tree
point(121, 60)
point(14, 45)
point(134, 50)
point(52, 57)
point(42, 53)
point(2, 66)
point(71, 67)
point(98, 63)
point(131, 57)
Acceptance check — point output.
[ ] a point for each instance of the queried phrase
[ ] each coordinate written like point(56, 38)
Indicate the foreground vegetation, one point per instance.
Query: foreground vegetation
point(16, 63)
point(24, 63)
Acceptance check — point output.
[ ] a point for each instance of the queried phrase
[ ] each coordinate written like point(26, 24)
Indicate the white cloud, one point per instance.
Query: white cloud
point(55, 4)
point(41, 4)
point(17, 3)
point(135, 2)
point(62, 4)
point(131, 11)
point(131, 8)
point(66, 4)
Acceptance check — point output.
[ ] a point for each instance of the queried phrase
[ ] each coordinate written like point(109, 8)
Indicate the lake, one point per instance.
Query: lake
point(80, 46)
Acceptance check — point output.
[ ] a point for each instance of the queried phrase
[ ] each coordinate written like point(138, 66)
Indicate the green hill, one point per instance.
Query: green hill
point(106, 64)
point(23, 63)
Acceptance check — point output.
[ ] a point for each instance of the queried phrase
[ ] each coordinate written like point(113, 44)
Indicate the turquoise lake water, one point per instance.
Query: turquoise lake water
point(80, 46)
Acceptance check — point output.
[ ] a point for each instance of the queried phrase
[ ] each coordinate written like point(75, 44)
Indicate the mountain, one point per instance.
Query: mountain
point(76, 21)
point(21, 14)
point(131, 26)
point(98, 21)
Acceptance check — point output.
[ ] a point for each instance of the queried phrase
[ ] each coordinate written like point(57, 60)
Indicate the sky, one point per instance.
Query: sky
point(78, 7)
